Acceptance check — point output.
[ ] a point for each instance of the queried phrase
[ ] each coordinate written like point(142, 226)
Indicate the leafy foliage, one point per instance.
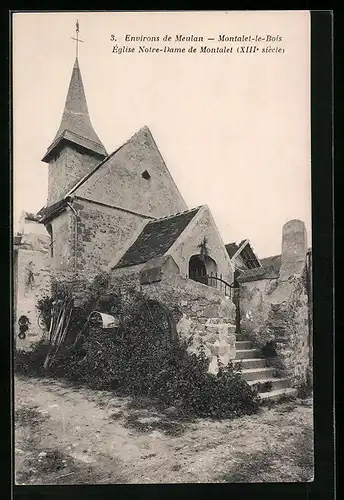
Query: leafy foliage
point(44, 305)
point(268, 350)
point(142, 359)
point(30, 363)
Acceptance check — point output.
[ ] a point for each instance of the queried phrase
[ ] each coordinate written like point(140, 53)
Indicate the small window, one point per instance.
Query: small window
point(146, 175)
point(50, 231)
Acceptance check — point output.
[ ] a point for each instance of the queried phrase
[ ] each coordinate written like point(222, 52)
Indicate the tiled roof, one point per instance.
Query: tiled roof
point(272, 263)
point(246, 252)
point(46, 213)
point(269, 270)
point(257, 273)
point(231, 249)
point(31, 216)
point(156, 238)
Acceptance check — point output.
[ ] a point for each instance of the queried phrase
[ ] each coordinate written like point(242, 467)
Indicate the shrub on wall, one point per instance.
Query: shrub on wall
point(30, 363)
point(141, 358)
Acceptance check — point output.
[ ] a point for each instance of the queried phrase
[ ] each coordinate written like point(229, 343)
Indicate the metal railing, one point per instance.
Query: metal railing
point(216, 281)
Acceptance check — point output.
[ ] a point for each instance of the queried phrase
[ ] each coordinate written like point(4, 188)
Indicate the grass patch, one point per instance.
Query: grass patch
point(291, 463)
point(116, 415)
point(269, 403)
point(140, 360)
point(29, 416)
point(54, 467)
point(149, 424)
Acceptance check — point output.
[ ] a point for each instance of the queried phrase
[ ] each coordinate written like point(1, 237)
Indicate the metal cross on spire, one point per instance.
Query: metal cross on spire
point(77, 37)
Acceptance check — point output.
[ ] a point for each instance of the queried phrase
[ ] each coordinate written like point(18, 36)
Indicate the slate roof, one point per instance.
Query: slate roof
point(31, 216)
point(246, 253)
point(156, 238)
point(231, 249)
point(76, 124)
point(47, 213)
point(257, 273)
point(272, 263)
point(269, 270)
point(248, 256)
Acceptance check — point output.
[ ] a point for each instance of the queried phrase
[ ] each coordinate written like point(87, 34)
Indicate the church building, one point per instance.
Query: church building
point(123, 214)
point(119, 210)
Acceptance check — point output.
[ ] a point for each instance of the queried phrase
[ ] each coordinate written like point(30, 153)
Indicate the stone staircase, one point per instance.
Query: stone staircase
point(254, 370)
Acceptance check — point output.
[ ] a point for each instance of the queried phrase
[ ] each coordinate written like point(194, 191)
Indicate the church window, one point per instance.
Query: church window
point(146, 175)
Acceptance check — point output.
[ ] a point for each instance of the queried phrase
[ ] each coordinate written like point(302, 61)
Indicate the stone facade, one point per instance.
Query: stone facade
point(203, 226)
point(278, 310)
point(88, 236)
point(119, 181)
point(201, 314)
point(66, 170)
point(32, 279)
point(62, 236)
point(255, 304)
point(102, 233)
point(109, 211)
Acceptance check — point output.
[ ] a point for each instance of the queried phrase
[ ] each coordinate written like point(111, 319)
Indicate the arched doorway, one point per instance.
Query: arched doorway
point(201, 268)
point(155, 313)
point(197, 269)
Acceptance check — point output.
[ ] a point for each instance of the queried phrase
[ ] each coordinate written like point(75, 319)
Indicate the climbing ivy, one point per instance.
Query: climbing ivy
point(139, 359)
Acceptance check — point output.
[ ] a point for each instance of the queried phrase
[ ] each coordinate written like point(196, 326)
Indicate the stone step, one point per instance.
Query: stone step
point(243, 344)
point(276, 383)
point(250, 363)
point(246, 353)
point(255, 374)
point(277, 394)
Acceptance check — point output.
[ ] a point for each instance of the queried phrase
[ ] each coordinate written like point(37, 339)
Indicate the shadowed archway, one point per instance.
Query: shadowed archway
point(200, 268)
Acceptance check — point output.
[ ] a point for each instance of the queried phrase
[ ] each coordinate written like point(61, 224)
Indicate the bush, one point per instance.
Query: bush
point(268, 350)
point(139, 359)
point(44, 305)
point(30, 363)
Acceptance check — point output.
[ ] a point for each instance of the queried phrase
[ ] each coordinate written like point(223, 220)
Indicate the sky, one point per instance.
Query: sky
point(233, 128)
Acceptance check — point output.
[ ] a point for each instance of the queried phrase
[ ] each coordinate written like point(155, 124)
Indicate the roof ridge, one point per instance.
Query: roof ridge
point(157, 237)
point(87, 176)
point(175, 214)
point(271, 256)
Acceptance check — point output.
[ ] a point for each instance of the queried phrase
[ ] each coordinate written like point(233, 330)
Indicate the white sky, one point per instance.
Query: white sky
point(234, 129)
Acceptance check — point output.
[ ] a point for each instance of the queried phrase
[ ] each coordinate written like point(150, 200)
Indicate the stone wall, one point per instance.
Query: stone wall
point(63, 242)
point(120, 182)
point(31, 275)
point(77, 283)
point(255, 304)
point(69, 168)
point(102, 233)
point(201, 314)
point(188, 245)
point(277, 310)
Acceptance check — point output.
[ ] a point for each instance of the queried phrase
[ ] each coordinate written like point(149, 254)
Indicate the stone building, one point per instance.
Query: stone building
point(31, 276)
point(123, 213)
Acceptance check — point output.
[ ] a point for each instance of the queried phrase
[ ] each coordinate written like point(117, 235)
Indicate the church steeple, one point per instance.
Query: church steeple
point(76, 149)
point(76, 127)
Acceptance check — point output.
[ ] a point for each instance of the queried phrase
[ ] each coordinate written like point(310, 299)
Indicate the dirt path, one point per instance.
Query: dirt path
point(69, 436)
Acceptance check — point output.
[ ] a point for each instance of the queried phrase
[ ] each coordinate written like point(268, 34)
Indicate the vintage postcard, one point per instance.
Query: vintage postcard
point(162, 255)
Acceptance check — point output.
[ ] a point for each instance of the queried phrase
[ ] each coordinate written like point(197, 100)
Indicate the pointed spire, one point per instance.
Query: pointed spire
point(76, 126)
